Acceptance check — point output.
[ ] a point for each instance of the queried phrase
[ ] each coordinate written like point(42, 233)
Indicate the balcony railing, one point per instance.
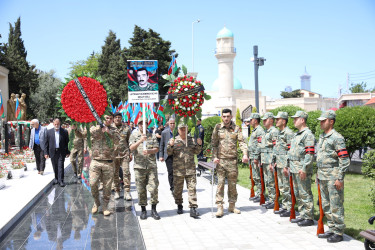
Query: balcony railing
point(225, 50)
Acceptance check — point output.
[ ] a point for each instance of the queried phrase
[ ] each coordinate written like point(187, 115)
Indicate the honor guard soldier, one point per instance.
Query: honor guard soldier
point(266, 147)
point(183, 148)
point(123, 158)
point(145, 169)
point(225, 137)
point(254, 152)
point(301, 155)
point(333, 161)
point(102, 156)
point(77, 153)
point(281, 149)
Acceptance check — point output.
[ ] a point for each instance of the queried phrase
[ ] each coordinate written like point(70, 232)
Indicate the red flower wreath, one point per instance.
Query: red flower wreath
point(75, 106)
point(187, 105)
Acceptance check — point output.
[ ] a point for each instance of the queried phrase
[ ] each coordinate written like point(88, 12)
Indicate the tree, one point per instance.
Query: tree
point(90, 66)
point(22, 77)
point(294, 94)
point(148, 45)
point(112, 68)
point(238, 118)
point(291, 110)
point(312, 121)
point(359, 88)
point(43, 101)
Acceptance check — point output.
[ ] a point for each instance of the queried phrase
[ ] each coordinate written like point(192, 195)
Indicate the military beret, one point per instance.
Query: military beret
point(282, 115)
point(301, 114)
point(267, 115)
point(329, 114)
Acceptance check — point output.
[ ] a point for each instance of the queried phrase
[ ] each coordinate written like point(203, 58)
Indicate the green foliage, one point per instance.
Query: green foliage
point(43, 100)
point(111, 67)
point(359, 88)
point(90, 65)
point(209, 125)
point(254, 110)
point(294, 94)
point(356, 124)
point(22, 77)
point(312, 120)
point(238, 118)
point(368, 169)
point(291, 110)
point(148, 45)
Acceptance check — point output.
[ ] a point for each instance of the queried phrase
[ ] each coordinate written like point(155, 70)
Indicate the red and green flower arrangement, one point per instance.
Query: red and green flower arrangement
point(74, 108)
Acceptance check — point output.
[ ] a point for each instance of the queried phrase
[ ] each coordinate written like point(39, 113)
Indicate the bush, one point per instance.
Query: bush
point(368, 169)
point(313, 122)
point(209, 125)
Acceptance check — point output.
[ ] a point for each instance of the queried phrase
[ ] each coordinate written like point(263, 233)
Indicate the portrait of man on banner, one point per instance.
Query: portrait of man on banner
point(143, 75)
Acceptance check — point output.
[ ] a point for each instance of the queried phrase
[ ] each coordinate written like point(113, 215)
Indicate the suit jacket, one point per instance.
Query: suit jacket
point(165, 136)
point(50, 144)
point(42, 137)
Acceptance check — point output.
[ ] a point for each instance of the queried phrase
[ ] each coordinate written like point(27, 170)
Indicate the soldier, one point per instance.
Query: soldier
point(225, 137)
point(184, 168)
point(122, 159)
point(266, 148)
point(101, 165)
point(254, 152)
point(301, 155)
point(145, 169)
point(200, 130)
point(77, 153)
point(280, 159)
point(333, 161)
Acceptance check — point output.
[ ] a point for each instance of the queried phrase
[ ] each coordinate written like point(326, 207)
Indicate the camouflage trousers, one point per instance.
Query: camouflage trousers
point(256, 177)
point(124, 164)
point(102, 170)
point(269, 180)
point(333, 206)
point(147, 179)
point(284, 188)
point(304, 197)
point(191, 184)
point(77, 166)
point(227, 168)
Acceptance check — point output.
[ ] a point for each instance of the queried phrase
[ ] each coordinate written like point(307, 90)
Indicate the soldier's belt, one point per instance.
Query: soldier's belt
point(266, 151)
point(109, 161)
point(327, 165)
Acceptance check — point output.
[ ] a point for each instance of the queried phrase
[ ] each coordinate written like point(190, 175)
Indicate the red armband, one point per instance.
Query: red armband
point(342, 153)
point(310, 150)
point(259, 139)
point(288, 146)
point(274, 142)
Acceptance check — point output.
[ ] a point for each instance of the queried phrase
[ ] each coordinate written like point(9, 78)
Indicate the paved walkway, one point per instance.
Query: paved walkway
point(254, 228)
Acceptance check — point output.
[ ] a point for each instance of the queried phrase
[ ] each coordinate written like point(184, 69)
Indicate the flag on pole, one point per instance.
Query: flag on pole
point(18, 110)
point(161, 114)
point(1, 106)
point(172, 66)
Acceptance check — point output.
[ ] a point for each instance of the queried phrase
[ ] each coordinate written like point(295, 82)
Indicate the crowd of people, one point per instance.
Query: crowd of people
point(270, 151)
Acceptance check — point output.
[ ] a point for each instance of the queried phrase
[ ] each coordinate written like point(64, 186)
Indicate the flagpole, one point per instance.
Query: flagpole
point(144, 124)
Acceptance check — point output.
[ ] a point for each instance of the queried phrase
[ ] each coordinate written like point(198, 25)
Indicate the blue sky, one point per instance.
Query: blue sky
point(331, 38)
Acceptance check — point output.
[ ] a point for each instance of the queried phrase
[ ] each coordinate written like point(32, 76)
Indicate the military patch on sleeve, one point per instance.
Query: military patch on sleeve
point(201, 130)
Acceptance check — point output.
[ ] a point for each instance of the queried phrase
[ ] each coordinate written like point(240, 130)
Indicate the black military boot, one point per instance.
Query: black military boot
point(305, 223)
point(285, 214)
point(143, 213)
point(154, 214)
point(296, 220)
point(270, 205)
point(180, 209)
point(256, 199)
point(194, 213)
point(326, 235)
point(335, 238)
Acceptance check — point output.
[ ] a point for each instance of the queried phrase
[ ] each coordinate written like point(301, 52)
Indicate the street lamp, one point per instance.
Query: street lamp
point(258, 61)
point(192, 41)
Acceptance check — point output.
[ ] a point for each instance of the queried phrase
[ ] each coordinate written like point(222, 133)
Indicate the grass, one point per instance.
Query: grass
point(357, 204)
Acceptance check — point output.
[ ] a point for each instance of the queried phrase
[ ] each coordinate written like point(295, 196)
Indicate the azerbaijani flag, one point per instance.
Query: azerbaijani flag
point(18, 110)
point(172, 66)
point(161, 114)
point(1, 106)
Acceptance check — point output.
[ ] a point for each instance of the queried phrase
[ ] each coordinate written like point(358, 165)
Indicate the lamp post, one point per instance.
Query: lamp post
point(192, 42)
point(258, 61)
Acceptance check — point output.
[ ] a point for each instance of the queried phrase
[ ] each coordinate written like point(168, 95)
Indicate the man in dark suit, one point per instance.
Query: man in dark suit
point(37, 143)
point(56, 146)
point(166, 135)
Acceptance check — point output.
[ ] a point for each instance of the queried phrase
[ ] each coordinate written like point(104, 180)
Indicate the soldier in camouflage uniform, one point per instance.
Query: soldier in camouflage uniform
point(280, 159)
point(225, 137)
point(266, 149)
point(301, 155)
point(79, 148)
point(102, 156)
point(122, 159)
point(145, 169)
point(254, 152)
point(333, 161)
point(184, 168)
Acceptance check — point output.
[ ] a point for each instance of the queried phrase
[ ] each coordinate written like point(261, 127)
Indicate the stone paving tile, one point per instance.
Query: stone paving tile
point(254, 228)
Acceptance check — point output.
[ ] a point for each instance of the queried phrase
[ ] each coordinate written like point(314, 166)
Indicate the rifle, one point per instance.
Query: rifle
point(292, 210)
point(252, 193)
point(277, 206)
point(320, 229)
point(262, 199)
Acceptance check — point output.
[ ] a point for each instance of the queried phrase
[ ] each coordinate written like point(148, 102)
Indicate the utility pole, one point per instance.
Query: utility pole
point(257, 62)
